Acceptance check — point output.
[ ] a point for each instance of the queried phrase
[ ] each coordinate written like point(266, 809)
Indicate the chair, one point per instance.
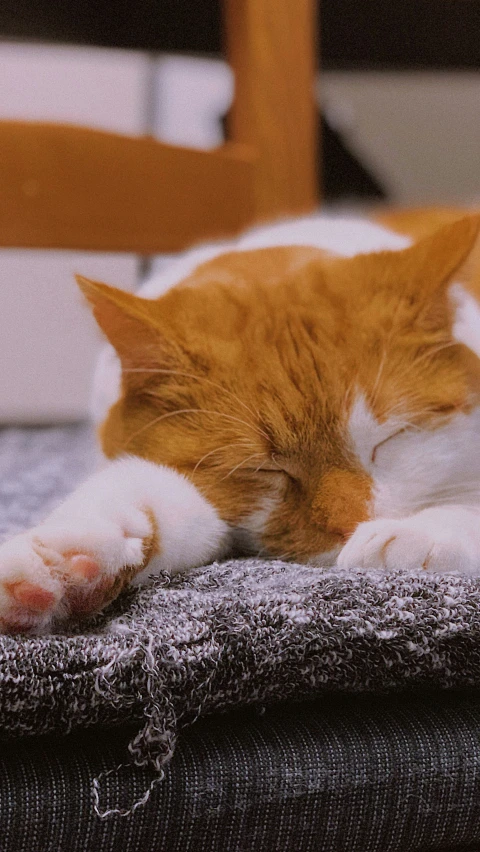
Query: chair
point(346, 775)
point(112, 198)
point(149, 197)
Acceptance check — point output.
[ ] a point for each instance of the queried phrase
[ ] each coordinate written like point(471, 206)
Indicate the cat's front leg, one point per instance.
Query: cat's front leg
point(443, 538)
point(128, 520)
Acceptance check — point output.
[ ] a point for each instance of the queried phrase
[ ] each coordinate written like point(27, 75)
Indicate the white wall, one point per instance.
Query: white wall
point(419, 131)
point(48, 339)
point(190, 94)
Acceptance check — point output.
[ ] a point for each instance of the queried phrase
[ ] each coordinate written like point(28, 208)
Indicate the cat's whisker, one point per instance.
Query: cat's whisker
point(178, 411)
point(197, 378)
point(401, 423)
point(351, 392)
point(252, 426)
point(216, 450)
point(427, 355)
point(270, 458)
point(240, 464)
point(376, 384)
point(283, 557)
point(421, 412)
point(402, 374)
point(430, 353)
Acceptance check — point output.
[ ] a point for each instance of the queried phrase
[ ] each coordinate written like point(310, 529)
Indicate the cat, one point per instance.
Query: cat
point(309, 392)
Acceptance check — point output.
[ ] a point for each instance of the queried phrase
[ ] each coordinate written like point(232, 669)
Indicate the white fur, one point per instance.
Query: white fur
point(444, 539)
point(343, 236)
point(466, 326)
point(426, 493)
point(188, 525)
point(416, 468)
point(107, 519)
point(249, 535)
point(426, 484)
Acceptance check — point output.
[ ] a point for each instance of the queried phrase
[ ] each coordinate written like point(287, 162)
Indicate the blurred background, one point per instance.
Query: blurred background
point(398, 94)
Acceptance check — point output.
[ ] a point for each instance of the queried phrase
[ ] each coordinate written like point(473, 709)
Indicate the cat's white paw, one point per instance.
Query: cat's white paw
point(438, 539)
point(57, 570)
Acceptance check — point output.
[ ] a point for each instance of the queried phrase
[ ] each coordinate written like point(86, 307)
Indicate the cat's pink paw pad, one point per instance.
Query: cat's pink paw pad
point(54, 572)
point(31, 596)
point(82, 566)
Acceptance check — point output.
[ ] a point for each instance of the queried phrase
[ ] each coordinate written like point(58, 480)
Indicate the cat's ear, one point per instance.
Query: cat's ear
point(450, 254)
point(129, 322)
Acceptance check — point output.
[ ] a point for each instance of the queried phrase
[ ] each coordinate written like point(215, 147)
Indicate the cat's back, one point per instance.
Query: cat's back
point(337, 235)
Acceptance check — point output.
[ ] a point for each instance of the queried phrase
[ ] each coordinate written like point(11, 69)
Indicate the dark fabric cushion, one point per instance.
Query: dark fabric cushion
point(352, 773)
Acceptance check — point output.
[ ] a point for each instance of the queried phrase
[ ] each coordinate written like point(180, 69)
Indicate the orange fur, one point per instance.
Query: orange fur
point(423, 221)
point(244, 376)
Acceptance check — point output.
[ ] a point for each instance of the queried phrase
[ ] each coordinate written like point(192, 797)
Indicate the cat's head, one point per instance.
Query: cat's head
point(300, 392)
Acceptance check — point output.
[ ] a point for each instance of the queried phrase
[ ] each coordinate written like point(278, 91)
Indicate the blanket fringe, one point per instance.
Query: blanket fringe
point(154, 744)
point(121, 812)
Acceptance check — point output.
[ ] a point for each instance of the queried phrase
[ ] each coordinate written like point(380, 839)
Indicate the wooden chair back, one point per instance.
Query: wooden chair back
point(71, 187)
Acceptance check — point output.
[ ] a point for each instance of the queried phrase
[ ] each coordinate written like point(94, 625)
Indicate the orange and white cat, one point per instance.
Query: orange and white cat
point(310, 392)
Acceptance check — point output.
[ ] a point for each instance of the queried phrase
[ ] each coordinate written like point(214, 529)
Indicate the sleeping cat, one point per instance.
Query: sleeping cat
point(309, 393)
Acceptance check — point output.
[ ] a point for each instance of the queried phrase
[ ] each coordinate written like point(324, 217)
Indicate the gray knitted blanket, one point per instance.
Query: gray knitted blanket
point(240, 632)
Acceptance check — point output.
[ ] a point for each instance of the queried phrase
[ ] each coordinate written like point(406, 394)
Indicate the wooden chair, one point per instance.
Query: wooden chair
point(72, 187)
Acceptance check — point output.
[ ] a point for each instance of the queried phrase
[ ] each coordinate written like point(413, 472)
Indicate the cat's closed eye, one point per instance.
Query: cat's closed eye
point(279, 466)
point(375, 451)
point(439, 411)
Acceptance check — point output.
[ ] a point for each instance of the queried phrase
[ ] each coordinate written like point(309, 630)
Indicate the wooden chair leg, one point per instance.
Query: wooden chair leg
point(271, 47)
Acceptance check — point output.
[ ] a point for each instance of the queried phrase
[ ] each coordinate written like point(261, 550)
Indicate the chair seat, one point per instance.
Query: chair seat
point(348, 774)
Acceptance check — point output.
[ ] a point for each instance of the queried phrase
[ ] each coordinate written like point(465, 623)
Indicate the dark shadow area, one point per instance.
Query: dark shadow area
point(373, 34)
